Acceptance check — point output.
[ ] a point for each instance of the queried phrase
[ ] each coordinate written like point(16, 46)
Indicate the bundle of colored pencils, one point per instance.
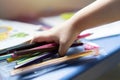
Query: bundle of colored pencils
point(41, 54)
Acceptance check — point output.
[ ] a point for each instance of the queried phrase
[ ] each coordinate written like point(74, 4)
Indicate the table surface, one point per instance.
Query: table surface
point(85, 69)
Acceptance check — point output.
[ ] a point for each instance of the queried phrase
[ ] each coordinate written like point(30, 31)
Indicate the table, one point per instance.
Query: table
point(76, 70)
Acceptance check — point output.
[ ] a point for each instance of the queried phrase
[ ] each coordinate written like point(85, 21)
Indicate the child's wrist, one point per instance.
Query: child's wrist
point(75, 27)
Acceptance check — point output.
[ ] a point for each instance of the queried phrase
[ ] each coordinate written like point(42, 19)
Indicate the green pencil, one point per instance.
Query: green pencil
point(27, 57)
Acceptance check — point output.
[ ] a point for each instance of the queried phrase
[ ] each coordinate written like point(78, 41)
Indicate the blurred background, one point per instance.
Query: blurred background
point(32, 9)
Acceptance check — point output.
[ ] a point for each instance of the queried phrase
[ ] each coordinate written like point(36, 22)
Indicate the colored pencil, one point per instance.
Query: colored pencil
point(49, 62)
point(27, 46)
point(44, 48)
point(84, 35)
point(21, 47)
point(34, 59)
point(20, 58)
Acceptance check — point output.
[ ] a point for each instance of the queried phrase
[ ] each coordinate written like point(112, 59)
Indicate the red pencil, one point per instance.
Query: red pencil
point(84, 35)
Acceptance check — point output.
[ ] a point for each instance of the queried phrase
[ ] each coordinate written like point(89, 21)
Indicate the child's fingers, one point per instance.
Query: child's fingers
point(44, 36)
point(64, 46)
point(39, 39)
point(62, 50)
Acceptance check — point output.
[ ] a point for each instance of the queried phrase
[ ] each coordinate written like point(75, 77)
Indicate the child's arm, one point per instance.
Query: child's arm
point(98, 13)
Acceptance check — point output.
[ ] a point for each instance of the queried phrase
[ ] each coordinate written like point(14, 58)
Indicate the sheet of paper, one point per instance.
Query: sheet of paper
point(104, 31)
point(18, 28)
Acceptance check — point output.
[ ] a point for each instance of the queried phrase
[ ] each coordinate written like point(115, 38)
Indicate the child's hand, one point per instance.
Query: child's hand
point(64, 35)
point(98, 13)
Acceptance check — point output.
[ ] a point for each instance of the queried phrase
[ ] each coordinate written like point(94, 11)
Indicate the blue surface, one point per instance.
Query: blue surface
point(69, 70)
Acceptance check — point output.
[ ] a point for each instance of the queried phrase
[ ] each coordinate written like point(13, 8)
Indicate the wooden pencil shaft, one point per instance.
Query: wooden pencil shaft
point(19, 53)
point(44, 48)
point(20, 47)
point(49, 62)
point(13, 58)
point(23, 53)
point(36, 59)
point(32, 56)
